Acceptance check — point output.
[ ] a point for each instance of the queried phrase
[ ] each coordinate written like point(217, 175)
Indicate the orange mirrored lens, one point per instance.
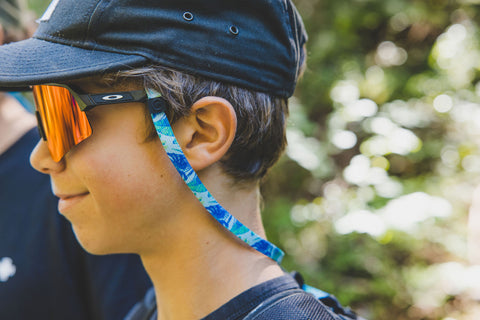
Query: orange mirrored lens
point(64, 124)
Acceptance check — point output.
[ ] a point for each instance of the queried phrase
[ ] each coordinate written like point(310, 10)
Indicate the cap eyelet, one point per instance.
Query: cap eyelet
point(188, 16)
point(233, 30)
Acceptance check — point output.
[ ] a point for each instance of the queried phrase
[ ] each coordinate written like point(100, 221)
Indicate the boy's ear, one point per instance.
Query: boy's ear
point(206, 134)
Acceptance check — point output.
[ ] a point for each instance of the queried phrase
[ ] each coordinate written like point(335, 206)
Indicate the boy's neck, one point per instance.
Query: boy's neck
point(211, 266)
point(194, 289)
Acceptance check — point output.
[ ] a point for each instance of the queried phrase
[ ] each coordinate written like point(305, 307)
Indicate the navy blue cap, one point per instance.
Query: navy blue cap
point(255, 44)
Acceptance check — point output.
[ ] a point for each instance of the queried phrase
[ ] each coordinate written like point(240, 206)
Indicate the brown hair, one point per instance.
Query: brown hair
point(261, 118)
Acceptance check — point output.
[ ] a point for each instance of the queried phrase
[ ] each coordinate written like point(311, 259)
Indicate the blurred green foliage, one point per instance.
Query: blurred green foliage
point(383, 156)
point(371, 199)
point(38, 6)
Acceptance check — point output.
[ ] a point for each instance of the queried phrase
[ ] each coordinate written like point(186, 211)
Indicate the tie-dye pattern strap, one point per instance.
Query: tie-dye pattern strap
point(175, 153)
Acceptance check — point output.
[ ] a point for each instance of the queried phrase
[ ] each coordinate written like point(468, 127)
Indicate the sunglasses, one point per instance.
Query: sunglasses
point(61, 117)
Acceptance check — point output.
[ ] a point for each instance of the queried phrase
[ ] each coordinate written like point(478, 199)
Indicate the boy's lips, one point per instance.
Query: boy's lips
point(68, 201)
point(70, 196)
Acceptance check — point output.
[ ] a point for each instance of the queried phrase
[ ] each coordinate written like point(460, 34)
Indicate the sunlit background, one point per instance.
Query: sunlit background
point(384, 157)
point(371, 200)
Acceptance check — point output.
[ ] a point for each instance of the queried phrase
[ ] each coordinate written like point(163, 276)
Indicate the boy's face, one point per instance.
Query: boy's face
point(115, 187)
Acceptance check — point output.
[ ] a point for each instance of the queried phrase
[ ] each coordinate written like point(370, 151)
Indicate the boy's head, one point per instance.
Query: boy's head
point(249, 54)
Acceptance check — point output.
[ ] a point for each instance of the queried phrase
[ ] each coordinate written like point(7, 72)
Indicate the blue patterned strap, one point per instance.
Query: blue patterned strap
point(175, 153)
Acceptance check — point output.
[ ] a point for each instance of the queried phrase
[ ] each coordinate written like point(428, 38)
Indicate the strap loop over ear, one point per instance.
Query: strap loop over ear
point(178, 159)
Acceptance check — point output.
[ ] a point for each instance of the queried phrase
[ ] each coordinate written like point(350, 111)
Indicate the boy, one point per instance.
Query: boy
point(109, 77)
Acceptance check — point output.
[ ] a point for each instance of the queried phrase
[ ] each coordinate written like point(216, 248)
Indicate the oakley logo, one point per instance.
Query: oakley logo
point(112, 97)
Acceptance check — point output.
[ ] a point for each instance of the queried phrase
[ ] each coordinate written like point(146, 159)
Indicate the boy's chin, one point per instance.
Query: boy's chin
point(97, 246)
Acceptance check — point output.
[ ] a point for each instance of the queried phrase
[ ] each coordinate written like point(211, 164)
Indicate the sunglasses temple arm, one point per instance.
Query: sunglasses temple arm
point(88, 101)
point(41, 130)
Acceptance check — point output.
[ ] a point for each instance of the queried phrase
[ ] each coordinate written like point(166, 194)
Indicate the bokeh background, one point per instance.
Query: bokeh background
point(371, 200)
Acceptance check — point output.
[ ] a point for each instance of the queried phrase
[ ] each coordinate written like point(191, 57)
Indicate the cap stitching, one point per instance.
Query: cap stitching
point(290, 34)
point(92, 17)
point(75, 68)
point(297, 44)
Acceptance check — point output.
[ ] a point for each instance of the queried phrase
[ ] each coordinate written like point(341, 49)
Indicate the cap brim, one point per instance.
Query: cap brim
point(35, 61)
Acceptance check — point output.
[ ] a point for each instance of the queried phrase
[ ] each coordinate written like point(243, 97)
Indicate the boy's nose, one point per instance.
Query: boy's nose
point(42, 161)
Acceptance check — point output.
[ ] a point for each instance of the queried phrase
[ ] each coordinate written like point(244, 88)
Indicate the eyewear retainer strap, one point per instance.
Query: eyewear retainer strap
point(175, 153)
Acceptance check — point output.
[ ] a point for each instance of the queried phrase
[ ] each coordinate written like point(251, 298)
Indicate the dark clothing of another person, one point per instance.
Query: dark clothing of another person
point(44, 273)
